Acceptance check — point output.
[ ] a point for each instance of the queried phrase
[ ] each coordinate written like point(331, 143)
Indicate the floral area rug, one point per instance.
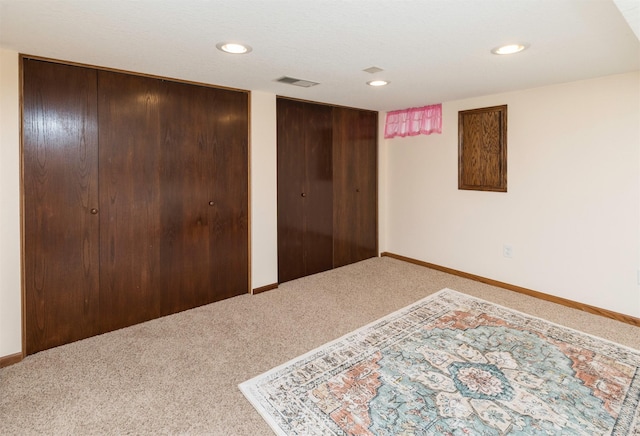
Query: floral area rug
point(452, 364)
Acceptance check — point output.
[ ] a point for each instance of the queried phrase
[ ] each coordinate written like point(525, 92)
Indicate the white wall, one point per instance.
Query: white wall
point(572, 211)
point(264, 226)
point(10, 291)
point(383, 183)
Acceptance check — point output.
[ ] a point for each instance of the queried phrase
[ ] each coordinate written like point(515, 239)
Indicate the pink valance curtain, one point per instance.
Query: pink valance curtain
point(415, 121)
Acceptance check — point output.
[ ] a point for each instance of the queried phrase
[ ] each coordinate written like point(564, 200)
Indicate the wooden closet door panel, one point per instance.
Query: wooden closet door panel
point(130, 213)
point(343, 185)
point(355, 185)
point(203, 195)
point(367, 189)
point(318, 202)
point(291, 188)
point(60, 164)
point(228, 117)
point(186, 173)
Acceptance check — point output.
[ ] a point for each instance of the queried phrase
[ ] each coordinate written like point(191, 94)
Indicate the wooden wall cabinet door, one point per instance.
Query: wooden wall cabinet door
point(305, 189)
point(355, 163)
point(61, 205)
point(482, 149)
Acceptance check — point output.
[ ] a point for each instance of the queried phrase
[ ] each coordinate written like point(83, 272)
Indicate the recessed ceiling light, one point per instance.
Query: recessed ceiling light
point(509, 49)
point(233, 47)
point(377, 83)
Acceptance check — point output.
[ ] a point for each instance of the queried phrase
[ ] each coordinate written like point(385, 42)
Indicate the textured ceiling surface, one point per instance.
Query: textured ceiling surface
point(430, 50)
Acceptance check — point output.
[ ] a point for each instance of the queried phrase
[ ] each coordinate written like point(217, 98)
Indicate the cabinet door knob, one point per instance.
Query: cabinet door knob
point(212, 203)
point(303, 195)
point(94, 211)
point(357, 189)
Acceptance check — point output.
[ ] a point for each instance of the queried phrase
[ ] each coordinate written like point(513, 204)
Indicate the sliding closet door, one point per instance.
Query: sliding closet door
point(355, 160)
point(61, 221)
point(131, 141)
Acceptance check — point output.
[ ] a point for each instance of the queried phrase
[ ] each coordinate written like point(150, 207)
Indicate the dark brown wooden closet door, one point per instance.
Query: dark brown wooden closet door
point(291, 189)
point(174, 174)
point(131, 141)
point(318, 202)
point(204, 196)
point(305, 193)
point(60, 164)
point(355, 185)
point(186, 170)
point(228, 119)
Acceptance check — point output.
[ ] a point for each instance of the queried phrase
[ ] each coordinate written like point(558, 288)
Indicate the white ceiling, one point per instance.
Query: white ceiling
point(431, 50)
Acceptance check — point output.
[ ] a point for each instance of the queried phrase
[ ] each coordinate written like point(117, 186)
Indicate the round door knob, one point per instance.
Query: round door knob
point(303, 195)
point(212, 203)
point(357, 189)
point(94, 211)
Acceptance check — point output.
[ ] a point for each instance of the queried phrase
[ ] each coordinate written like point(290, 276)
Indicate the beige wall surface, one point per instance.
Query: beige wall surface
point(264, 225)
point(571, 213)
point(10, 291)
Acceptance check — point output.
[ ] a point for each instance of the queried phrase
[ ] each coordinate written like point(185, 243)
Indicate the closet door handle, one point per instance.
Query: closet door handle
point(212, 203)
point(94, 211)
point(303, 195)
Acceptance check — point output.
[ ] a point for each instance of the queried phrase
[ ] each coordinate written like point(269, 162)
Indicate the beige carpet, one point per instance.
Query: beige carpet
point(179, 374)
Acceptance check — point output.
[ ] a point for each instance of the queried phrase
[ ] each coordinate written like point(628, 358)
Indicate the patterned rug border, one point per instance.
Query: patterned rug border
point(248, 387)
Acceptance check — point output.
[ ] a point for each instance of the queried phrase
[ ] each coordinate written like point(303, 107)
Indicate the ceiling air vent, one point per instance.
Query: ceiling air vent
point(297, 82)
point(373, 70)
